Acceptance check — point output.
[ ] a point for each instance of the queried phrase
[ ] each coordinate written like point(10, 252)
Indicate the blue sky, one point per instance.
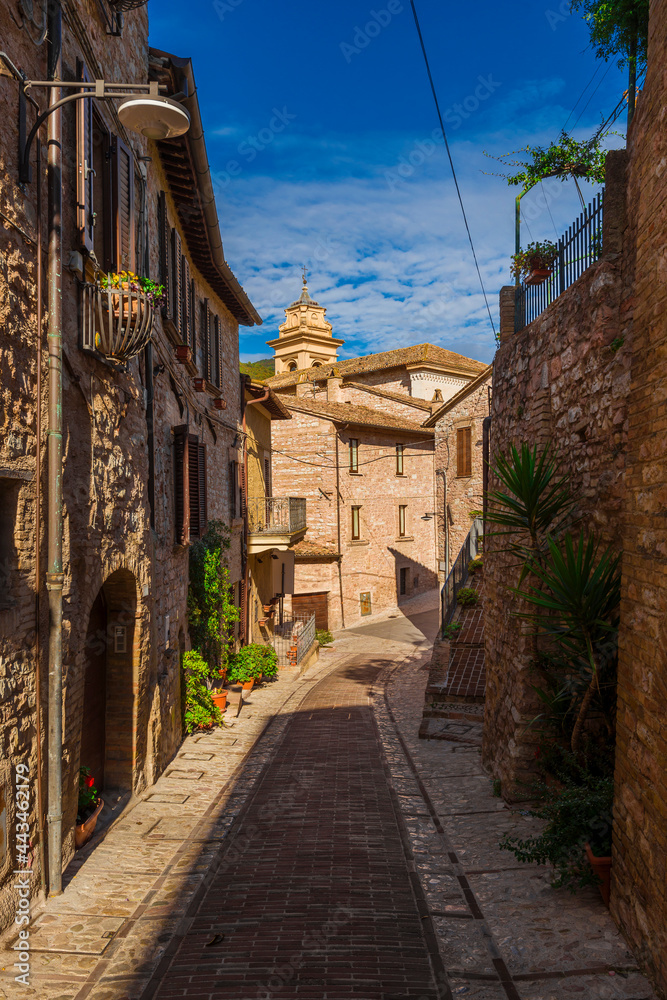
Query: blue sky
point(319, 127)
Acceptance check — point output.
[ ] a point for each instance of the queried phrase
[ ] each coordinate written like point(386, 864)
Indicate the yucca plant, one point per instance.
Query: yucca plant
point(532, 501)
point(576, 604)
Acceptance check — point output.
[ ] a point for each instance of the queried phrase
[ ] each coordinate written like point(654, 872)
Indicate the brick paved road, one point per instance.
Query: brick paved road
point(314, 897)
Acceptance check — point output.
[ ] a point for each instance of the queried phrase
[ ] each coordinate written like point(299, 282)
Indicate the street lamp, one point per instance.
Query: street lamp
point(145, 110)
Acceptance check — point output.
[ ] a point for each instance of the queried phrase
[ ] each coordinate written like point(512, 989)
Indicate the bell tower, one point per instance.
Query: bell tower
point(305, 339)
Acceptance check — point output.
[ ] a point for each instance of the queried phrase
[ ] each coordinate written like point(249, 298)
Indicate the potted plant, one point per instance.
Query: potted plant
point(535, 263)
point(201, 710)
point(89, 808)
point(183, 354)
point(601, 868)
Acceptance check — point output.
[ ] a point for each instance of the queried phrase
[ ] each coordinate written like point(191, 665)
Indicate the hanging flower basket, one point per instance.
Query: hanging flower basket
point(539, 275)
point(118, 317)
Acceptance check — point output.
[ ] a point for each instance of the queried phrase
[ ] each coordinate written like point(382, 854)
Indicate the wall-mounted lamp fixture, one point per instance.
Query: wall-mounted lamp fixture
point(159, 369)
point(428, 515)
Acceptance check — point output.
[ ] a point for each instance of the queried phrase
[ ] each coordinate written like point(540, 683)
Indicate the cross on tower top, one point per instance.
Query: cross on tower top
point(305, 274)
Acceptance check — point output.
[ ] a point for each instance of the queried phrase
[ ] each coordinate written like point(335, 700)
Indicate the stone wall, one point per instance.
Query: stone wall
point(565, 378)
point(457, 497)
point(639, 869)
point(110, 545)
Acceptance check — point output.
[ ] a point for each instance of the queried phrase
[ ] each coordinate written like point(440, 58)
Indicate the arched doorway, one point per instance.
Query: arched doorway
point(107, 725)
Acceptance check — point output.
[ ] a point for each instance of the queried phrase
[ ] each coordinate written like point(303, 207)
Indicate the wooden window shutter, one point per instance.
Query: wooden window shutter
point(242, 493)
point(193, 486)
point(463, 452)
point(176, 282)
point(123, 194)
point(206, 341)
point(186, 299)
point(203, 508)
point(165, 236)
point(181, 484)
point(217, 374)
point(85, 218)
point(193, 320)
point(243, 615)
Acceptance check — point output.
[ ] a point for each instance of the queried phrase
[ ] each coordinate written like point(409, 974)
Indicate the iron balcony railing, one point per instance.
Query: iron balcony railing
point(578, 248)
point(458, 574)
point(294, 639)
point(276, 515)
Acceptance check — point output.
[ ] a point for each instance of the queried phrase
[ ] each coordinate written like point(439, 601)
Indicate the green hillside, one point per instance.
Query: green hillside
point(258, 369)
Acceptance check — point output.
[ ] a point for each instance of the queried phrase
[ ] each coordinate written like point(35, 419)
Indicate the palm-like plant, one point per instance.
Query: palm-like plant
point(532, 501)
point(577, 610)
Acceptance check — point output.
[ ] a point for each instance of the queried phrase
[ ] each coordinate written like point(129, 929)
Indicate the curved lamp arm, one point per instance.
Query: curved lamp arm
point(95, 89)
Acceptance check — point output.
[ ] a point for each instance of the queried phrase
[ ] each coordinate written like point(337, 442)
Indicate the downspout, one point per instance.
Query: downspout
point(54, 573)
point(340, 551)
point(38, 526)
point(252, 402)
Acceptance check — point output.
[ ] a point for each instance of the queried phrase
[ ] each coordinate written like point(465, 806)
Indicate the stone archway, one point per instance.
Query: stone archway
point(108, 717)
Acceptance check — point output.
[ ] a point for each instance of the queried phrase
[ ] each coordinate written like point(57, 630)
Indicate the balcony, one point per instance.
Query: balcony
point(275, 522)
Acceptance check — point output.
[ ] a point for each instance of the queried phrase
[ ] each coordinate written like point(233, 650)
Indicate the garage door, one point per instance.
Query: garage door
point(309, 604)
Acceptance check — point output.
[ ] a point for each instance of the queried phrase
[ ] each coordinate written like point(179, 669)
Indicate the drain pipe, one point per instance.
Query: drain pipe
point(246, 595)
point(54, 573)
point(340, 551)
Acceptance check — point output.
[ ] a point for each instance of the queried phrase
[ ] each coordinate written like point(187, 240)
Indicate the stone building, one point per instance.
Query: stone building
point(462, 427)
point(589, 373)
point(148, 444)
point(358, 449)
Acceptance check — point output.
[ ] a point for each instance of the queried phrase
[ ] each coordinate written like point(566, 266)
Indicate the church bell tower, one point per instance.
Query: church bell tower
point(305, 339)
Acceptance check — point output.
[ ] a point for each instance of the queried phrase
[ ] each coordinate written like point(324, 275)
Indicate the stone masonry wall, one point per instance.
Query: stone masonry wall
point(639, 867)
point(559, 379)
point(461, 495)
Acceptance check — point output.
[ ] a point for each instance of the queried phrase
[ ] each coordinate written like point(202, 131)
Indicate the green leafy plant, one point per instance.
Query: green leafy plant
point(323, 636)
point(200, 711)
point(567, 157)
point(617, 344)
point(533, 499)
point(536, 257)
point(475, 564)
point(211, 610)
point(252, 662)
point(449, 631)
point(467, 597)
point(577, 810)
point(578, 603)
point(152, 289)
point(88, 794)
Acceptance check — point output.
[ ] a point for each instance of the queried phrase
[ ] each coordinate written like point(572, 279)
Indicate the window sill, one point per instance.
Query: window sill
point(404, 538)
point(402, 475)
point(359, 541)
point(464, 477)
point(350, 473)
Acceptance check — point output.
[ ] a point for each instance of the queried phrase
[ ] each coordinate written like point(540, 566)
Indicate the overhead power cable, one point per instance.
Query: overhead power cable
point(581, 95)
point(451, 162)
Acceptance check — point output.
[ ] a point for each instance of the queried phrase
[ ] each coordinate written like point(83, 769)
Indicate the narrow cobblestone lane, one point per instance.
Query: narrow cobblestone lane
point(314, 898)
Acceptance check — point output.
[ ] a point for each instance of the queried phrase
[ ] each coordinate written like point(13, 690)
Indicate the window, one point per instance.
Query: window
point(204, 324)
point(105, 189)
point(9, 497)
point(401, 519)
point(356, 524)
point(267, 477)
point(190, 486)
point(399, 459)
point(354, 455)
point(233, 489)
point(403, 581)
point(216, 368)
point(291, 366)
point(463, 452)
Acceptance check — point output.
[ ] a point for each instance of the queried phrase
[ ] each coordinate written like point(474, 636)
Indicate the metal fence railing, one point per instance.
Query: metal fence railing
point(458, 574)
point(276, 515)
point(578, 248)
point(294, 639)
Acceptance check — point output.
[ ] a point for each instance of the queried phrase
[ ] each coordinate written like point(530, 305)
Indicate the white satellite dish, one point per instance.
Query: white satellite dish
point(154, 117)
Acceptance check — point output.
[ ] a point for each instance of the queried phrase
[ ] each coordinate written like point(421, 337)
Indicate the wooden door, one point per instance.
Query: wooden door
point(309, 604)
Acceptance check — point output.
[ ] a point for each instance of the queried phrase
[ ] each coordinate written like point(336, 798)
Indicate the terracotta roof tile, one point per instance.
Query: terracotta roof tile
point(401, 397)
point(419, 353)
point(352, 414)
point(313, 550)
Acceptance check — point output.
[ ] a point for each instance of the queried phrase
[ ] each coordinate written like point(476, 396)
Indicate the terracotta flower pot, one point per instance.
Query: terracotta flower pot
point(220, 698)
point(183, 353)
point(84, 831)
point(602, 868)
point(198, 384)
point(538, 275)
point(220, 404)
point(247, 687)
